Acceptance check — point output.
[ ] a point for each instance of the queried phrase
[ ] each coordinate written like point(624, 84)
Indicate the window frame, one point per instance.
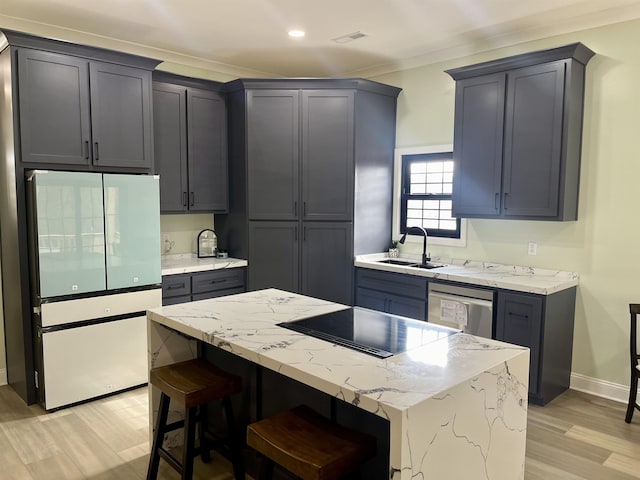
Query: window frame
point(397, 196)
point(405, 196)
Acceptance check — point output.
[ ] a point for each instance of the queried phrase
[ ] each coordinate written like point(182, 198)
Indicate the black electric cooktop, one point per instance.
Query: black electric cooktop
point(369, 331)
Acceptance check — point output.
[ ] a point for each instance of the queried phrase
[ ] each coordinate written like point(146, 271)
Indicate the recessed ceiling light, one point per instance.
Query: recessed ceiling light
point(296, 33)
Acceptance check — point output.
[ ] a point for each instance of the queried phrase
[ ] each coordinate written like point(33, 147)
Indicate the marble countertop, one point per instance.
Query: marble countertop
point(456, 407)
point(245, 324)
point(510, 277)
point(189, 262)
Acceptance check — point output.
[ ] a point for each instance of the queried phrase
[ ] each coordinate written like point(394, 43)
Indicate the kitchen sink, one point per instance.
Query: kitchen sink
point(429, 265)
point(408, 263)
point(393, 261)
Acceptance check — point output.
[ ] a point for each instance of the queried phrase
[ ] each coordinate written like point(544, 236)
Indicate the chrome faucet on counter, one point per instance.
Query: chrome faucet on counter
point(422, 232)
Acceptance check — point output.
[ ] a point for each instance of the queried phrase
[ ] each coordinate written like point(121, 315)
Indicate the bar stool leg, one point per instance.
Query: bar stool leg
point(158, 436)
point(633, 391)
point(234, 441)
point(189, 440)
point(205, 449)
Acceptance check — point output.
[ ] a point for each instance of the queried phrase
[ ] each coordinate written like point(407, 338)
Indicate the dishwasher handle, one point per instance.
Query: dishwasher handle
point(462, 299)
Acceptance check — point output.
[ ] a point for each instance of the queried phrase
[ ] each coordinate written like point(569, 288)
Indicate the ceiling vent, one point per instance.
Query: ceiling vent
point(349, 37)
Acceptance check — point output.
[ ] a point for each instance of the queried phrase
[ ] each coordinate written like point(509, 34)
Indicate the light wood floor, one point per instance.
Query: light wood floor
point(577, 436)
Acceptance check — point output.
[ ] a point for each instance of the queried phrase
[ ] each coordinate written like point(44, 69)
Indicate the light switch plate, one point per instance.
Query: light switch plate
point(533, 248)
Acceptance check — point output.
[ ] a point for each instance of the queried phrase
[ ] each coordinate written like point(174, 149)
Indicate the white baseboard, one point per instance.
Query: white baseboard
point(600, 388)
point(3, 376)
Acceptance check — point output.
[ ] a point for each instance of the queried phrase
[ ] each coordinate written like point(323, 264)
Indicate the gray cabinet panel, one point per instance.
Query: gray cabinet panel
point(477, 150)
point(222, 279)
point(533, 140)
point(367, 298)
point(54, 108)
point(273, 255)
point(121, 116)
point(519, 321)
point(390, 292)
point(327, 155)
point(327, 261)
point(407, 307)
point(207, 143)
point(187, 287)
point(170, 145)
point(273, 154)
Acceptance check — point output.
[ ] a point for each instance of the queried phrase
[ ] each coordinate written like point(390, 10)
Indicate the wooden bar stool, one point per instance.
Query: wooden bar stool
point(308, 445)
point(193, 384)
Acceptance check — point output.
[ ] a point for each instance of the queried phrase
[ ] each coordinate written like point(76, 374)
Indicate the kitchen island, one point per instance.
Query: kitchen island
point(456, 408)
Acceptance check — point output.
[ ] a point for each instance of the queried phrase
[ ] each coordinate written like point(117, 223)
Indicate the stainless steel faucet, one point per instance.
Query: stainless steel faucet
point(422, 232)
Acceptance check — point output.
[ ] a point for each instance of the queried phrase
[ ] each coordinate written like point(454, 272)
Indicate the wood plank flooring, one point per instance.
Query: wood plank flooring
point(577, 436)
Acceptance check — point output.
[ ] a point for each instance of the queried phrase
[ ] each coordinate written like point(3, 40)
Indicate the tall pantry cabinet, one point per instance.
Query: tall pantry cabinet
point(311, 168)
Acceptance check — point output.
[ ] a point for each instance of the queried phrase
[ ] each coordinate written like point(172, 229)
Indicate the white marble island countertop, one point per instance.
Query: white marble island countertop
point(460, 387)
point(510, 277)
point(189, 263)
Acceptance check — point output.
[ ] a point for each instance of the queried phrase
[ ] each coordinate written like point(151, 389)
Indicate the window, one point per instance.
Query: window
point(432, 194)
point(425, 194)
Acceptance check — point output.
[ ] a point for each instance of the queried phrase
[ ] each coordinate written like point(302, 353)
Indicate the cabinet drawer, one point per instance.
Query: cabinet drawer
point(217, 293)
point(176, 285)
point(217, 280)
point(397, 283)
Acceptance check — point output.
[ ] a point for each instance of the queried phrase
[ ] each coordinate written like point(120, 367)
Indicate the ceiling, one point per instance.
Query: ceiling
point(249, 37)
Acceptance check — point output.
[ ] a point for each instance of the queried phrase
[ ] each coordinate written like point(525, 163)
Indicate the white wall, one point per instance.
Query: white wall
point(183, 230)
point(602, 244)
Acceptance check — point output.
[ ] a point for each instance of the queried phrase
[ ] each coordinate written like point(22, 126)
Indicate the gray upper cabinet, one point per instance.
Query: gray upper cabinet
point(327, 165)
point(190, 137)
point(54, 87)
point(273, 152)
point(292, 165)
point(518, 134)
point(170, 145)
point(76, 111)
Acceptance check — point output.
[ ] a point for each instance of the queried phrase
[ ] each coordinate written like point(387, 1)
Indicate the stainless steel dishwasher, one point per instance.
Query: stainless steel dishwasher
point(466, 308)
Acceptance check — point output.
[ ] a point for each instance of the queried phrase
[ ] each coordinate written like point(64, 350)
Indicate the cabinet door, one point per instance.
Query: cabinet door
point(477, 149)
point(373, 299)
point(207, 140)
point(519, 321)
point(54, 108)
point(327, 155)
point(327, 261)
point(121, 116)
point(170, 145)
point(273, 255)
point(272, 154)
point(533, 140)
point(407, 307)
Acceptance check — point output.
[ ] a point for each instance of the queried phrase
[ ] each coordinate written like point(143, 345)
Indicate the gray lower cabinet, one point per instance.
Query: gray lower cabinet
point(190, 136)
point(390, 292)
point(544, 324)
point(76, 111)
point(274, 255)
point(187, 287)
point(518, 134)
point(313, 258)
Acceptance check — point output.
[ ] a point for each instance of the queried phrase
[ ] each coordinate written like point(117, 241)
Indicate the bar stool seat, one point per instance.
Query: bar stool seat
point(308, 445)
point(193, 384)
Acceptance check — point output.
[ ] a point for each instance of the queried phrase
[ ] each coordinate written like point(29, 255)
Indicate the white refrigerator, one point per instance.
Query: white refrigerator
point(95, 270)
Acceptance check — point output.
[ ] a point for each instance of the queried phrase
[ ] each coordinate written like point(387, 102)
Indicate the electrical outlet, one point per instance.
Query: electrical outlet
point(165, 238)
point(533, 248)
